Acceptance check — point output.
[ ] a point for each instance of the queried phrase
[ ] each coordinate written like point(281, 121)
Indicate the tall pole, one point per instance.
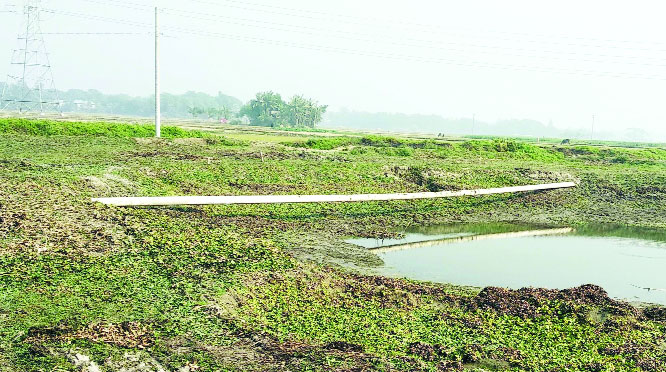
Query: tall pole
point(158, 118)
point(30, 79)
point(28, 7)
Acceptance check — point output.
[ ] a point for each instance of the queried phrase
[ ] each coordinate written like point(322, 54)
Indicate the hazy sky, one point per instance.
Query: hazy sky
point(553, 61)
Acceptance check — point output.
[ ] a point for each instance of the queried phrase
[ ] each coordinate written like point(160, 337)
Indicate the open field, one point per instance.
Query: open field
point(264, 134)
point(237, 288)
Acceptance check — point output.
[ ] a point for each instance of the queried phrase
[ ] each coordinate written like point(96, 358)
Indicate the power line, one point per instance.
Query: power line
point(448, 49)
point(96, 18)
point(431, 28)
point(361, 53)
point(301, 29)
point(409, 57)
point(95, 33)
point(390, 40)
point(390, 22)
point(124, 4)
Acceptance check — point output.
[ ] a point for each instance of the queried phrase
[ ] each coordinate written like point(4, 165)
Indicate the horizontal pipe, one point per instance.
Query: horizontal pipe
point(277, 199)
point(469, 238)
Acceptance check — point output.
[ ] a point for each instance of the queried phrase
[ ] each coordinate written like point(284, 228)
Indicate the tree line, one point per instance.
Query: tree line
point(173, 105)
point(219, 113)
point(269, 110)
point(266, 109)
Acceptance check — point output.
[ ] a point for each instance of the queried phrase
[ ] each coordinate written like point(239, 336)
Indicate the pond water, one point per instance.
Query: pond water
point(629, 264)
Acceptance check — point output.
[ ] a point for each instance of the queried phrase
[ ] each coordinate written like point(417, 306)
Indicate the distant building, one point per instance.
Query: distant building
point(84, 105)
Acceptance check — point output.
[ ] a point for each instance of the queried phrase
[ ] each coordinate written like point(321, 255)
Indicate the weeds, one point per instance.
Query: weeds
point(218, 287)
point(58, 128)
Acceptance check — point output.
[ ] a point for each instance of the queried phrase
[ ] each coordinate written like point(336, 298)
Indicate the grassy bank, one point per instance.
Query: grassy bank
point(263, 287)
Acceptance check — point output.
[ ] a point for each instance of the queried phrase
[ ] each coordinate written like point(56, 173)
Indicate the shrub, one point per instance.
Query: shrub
point(326, 143)
point(502, 145)
point(382, 141)
point(100, 129)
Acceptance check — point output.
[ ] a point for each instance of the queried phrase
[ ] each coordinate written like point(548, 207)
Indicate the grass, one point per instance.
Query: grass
point(59, 128)
point(261, 287)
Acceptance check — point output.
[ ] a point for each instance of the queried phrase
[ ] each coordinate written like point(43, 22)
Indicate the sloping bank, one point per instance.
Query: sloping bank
point(88, 287)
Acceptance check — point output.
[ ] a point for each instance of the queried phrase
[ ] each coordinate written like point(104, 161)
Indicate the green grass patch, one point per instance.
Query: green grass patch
point(62, 128)
point(220, 287)
point(164, 280)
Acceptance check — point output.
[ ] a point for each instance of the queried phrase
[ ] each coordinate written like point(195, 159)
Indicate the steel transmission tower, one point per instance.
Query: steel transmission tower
point(29, 85)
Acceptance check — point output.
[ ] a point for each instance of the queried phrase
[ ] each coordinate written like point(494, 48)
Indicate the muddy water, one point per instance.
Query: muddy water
point(630, 264)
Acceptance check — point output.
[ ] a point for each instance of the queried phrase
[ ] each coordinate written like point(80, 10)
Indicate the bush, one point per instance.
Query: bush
point(382, 141)
point(403, 151)
point(620, 159)
point(100, 129)
point(506, 146)
point(324, 143)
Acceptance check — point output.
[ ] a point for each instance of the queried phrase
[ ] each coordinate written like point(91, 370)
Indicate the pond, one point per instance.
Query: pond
point(629, 264)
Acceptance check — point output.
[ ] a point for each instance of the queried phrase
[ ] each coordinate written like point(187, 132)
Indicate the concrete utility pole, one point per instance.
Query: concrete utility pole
point(158, 116)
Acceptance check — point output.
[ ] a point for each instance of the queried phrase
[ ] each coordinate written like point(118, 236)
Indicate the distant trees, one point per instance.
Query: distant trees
point(213, 112)
point(303, 112)
point(173, 106)
point(181, 105)
point(268, 109)
point(265, 110)
point(195, 111)
point(218, 113)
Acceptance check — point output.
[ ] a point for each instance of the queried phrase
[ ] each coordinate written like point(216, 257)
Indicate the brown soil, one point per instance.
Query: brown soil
point(655, 313)
point(126, 334)
point(256, 351)
point(526, 302)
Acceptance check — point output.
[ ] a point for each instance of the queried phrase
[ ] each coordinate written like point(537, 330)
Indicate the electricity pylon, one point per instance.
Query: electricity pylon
point(29, 85)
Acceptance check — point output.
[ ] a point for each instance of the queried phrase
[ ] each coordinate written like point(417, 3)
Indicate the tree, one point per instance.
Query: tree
point(219, 113)
point(265, 110)
point(268, 109)
point(212, 112)
point(195, 111)
point(225, 112)
point(302, 112)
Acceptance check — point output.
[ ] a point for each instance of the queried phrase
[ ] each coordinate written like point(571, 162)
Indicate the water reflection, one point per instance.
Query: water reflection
point(627, 262)
point(471, 237)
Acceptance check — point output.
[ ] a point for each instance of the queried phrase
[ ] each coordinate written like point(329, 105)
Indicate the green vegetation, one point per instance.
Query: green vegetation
point(226, 288)
point(269, 110)
point(530, 130)
point(173, 105)
point(498, 148)
point(59, 128)
point(221, 113)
